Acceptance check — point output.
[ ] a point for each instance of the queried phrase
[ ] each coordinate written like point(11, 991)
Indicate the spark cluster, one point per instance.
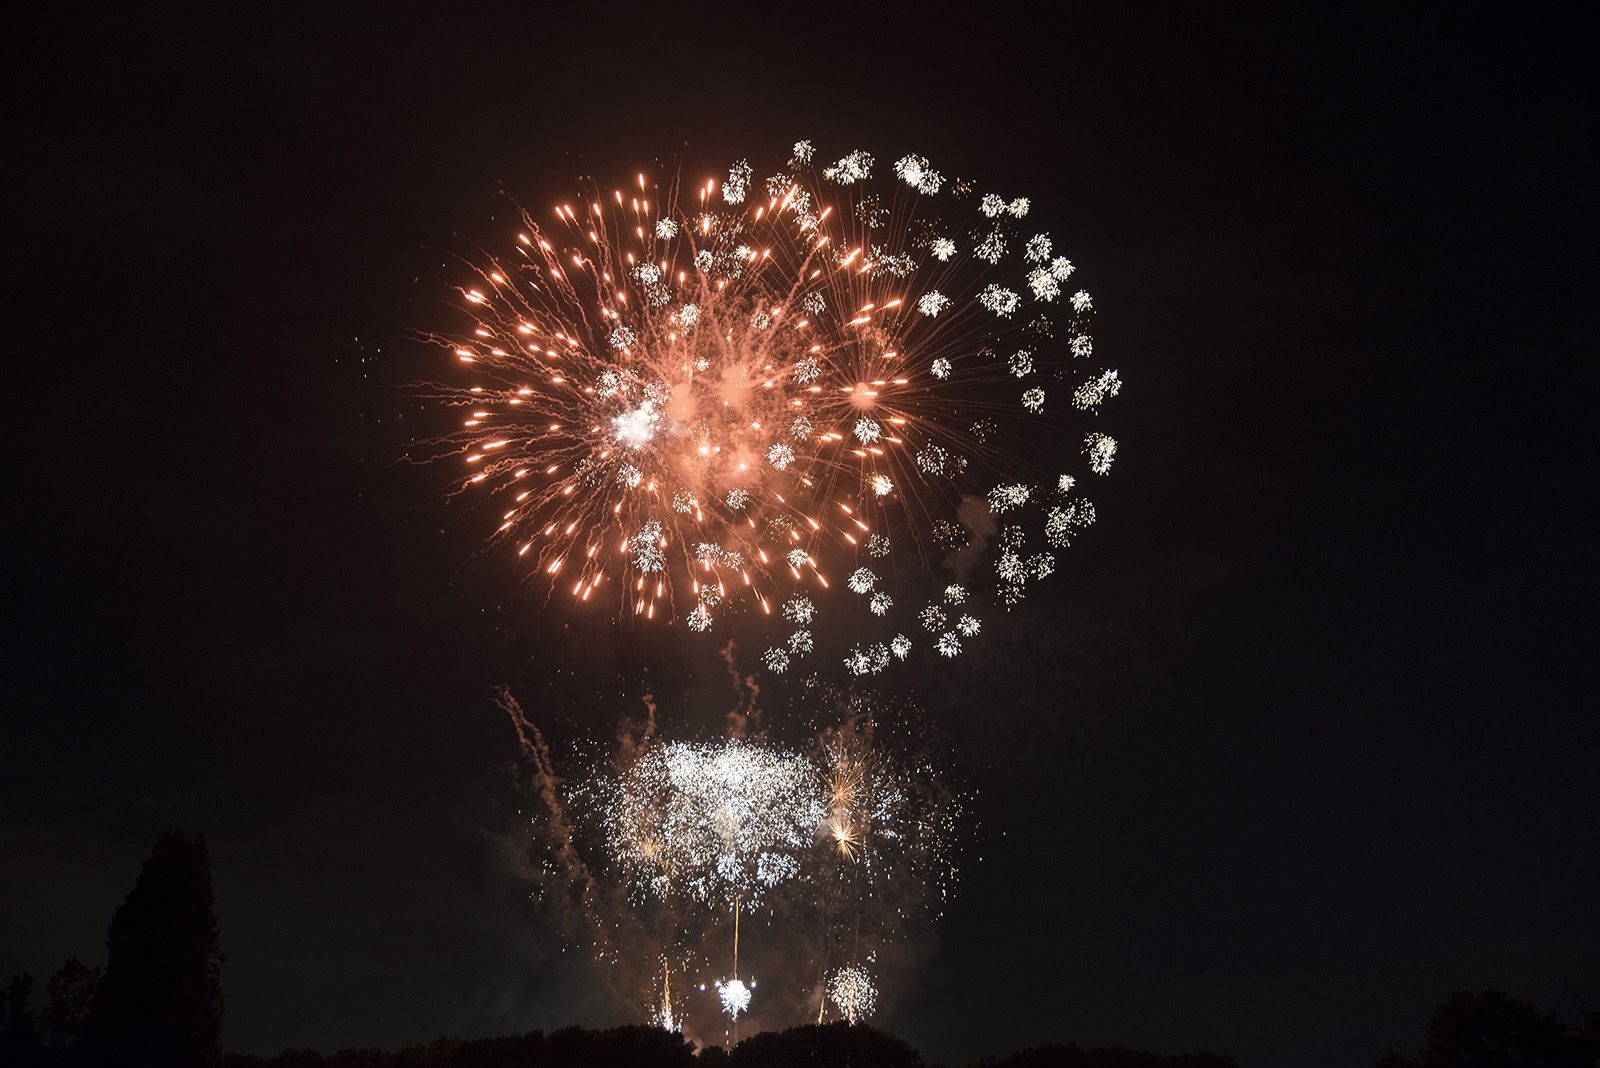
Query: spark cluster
point(852, 992)
point(713, 822)
point(735, 996)
point(705, 405)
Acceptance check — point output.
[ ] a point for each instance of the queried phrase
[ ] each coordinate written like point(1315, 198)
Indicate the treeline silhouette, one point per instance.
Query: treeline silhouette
point(1488, 1029)
point(158, 1002)
point(835, 1045)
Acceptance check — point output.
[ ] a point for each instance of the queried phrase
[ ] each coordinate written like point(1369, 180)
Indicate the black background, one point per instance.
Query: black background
point(1303, 739)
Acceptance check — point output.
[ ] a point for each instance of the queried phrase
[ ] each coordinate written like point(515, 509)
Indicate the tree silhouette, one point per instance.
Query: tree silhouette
point(1392, 1059)
point(621, 1047)
point(1105, 1057)
point(1490, 1030)
point(19, 1041)
point(835, 1045)
point(160, 1002)
point(69, 997)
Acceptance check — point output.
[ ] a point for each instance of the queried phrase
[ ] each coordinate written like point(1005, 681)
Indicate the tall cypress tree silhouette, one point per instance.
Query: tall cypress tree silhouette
point(160, 1002)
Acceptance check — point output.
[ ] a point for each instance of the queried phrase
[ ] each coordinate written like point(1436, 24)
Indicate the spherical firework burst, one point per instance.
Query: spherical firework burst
point(778, 405)
point(852, 992)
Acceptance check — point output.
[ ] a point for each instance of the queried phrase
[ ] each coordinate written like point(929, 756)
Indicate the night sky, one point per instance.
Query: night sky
point(1300, 739)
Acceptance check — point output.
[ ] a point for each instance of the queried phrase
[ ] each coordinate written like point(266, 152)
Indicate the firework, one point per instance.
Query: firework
point(852, 992)
point(702, 405)
point(662, 1014)
point(715, 822)
point(678, 859)
point(734, 995)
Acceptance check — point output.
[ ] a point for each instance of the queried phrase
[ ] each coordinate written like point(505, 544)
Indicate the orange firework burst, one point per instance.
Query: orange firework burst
point(735, 399)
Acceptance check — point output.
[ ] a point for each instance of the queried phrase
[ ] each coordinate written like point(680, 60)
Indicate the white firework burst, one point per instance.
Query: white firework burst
point(738, 183)
point(999, 299)
point(780, 456)
point(1101, 449)
point(1095, 392)
point(734, 995)
point(853, 168)
point(646, 548)
point(919, 174)
point(853, 993)
point(1005, 498)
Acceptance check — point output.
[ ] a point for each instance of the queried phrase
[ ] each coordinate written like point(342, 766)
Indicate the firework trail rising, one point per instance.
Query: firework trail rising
point(796, 408)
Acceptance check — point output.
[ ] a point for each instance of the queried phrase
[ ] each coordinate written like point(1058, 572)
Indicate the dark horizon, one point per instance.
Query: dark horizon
point(1295, 744)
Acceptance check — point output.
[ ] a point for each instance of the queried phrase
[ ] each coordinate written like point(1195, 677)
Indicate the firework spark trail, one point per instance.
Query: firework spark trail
point(746, 688)
point(543, 783)
point(716, 403)
point(587, 902)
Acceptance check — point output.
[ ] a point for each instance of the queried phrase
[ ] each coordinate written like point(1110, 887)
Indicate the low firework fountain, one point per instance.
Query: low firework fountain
point(841, 849)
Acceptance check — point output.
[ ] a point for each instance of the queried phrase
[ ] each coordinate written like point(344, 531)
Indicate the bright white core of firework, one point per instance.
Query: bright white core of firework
point(735, 996)
point(636, 427)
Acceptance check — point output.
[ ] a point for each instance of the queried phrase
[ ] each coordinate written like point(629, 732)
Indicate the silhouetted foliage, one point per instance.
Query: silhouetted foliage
point(647, 1047)
point(69, 998)
point(1104, 1057)
point(835, 1045)
point(1397, 1060)
point(19, 1039)
point(1490, 1030)
point(160, 1001)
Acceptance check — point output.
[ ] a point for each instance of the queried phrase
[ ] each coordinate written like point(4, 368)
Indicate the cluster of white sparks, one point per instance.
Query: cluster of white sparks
point(735, 996)
point(719, 822)
point(703, 403)
point(852, 992)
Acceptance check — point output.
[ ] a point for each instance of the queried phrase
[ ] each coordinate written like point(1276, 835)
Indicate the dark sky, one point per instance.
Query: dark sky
point(1304, 738)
